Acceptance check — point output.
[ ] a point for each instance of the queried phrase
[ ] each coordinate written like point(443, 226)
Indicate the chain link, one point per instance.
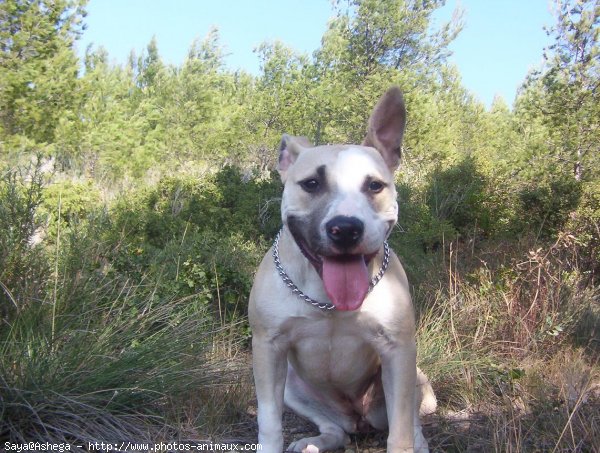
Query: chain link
point(323, 305)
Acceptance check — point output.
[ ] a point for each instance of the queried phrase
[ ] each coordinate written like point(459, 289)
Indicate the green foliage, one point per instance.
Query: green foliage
point(367, 35)
point(458, 196)
point(117, 331)
point(418, 232)
point(546, 206)
point(69, 202)
point(202, 238)
point(103, 137)
point(38, 67)
point(584, 225)
point(565, 94)
point(22, 264)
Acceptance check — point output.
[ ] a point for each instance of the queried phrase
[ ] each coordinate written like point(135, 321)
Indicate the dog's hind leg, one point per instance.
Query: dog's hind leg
point(328, 415)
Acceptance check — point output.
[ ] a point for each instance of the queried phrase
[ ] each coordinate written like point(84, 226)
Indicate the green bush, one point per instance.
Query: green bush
point(201, 237)
point(223, 201)
point(458, 195)
point(584, 225)
point(545, 205)
point(418, 232)
point(74, 200)
point(23, 265)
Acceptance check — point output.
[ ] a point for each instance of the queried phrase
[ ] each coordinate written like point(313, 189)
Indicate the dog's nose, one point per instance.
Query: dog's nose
point(345, 231)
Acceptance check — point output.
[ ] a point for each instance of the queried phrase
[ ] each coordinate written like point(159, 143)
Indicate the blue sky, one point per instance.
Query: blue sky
point(502, 39)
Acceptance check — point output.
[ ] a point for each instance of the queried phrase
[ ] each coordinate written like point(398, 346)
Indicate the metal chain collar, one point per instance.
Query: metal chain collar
point(323, 305)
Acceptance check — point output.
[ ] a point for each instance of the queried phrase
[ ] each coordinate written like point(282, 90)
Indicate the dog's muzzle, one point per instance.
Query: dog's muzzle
point(337, 274)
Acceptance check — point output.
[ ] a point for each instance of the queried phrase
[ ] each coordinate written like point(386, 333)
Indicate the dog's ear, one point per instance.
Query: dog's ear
point(289, 149)
point(386, 127)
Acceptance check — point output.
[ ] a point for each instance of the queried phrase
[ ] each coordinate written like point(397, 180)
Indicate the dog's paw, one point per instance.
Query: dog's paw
point(324, 442)
point(303, 446)
point(310, 449)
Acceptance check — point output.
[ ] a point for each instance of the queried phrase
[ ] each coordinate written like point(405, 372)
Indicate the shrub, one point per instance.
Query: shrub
point(458, 195)
point(203, 237)
point(23, 266)
point(418, 233)
point(584, 225)
point(75, 200)
point(545, 205)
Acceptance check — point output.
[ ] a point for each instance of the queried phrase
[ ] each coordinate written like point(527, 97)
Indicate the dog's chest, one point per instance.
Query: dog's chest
point(326, 350)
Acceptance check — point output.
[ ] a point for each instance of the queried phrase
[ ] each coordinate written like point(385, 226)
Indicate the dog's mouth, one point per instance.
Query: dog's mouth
point(346, 280)
point(345, 277)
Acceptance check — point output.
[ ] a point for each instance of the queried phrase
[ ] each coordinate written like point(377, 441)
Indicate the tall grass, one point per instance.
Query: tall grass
point(97, 356)
point(510, 344)
point(115, 365)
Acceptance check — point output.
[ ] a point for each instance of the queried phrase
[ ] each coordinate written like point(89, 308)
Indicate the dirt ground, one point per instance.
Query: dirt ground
point(296, 427)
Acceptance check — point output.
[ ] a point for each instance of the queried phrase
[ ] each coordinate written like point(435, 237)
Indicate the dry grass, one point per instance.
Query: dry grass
point(540, 411)
point(512, 359)
point(525, 335)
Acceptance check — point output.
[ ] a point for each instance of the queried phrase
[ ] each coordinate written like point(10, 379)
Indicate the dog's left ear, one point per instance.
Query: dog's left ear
point(386, 127)
point(289, 149)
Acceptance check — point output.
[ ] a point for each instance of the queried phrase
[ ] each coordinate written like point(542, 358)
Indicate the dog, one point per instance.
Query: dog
point(333, 329)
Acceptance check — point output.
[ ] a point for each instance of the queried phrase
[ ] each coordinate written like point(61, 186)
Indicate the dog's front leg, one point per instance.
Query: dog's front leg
point(269, 362)
point(399, 379)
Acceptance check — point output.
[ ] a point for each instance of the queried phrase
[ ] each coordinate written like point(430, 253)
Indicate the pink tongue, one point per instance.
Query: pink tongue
point(346, 281)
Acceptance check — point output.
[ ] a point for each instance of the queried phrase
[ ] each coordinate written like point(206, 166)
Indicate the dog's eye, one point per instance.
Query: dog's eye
point(310, 185)
point(376, 186)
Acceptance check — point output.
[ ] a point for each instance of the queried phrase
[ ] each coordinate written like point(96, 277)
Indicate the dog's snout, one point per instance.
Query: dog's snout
point(345, 231)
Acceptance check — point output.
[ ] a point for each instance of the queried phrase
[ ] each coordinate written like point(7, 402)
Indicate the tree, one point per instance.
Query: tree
point(103, 135)
point(149, 65)
point(370, 45)
point(566, 94)
point(368, 34)
point(194, 103)
point(38, 66)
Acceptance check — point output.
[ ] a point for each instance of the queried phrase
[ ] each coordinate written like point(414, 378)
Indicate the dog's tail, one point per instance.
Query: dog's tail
point(425, 396)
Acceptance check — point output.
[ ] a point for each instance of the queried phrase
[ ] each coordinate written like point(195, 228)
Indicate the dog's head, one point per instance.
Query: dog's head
point(339, 201)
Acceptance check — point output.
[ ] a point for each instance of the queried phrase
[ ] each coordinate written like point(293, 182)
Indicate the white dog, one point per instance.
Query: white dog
point(330, 310)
